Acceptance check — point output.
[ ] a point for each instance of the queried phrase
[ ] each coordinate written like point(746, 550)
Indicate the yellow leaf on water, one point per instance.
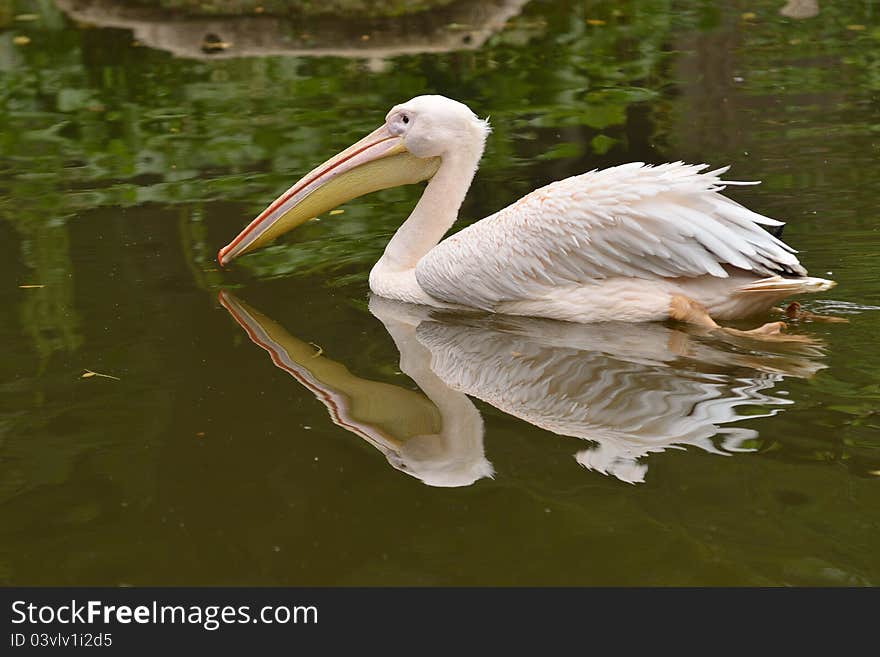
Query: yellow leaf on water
point(27, 17)
point(855, 28)
point(30, 287)
point(876, 473)
point(749, 16)
point(332, 212)
point(21, 40)
point(595, 21)
point(89, 373)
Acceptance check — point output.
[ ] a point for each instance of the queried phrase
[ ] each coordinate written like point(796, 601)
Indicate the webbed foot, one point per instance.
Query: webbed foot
point(795, 311)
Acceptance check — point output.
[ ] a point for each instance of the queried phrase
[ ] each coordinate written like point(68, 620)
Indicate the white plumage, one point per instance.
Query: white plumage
point(590, 235)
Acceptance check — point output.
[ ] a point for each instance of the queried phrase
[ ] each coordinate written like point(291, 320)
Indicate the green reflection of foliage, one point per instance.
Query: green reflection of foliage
point(48, 314)
point(106, 123)
point(823, 71)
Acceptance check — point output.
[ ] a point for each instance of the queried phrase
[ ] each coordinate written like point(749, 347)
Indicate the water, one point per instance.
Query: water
point(362, 453)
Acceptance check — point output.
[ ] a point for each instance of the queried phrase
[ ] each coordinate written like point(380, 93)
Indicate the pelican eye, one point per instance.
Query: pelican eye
point(405, 118)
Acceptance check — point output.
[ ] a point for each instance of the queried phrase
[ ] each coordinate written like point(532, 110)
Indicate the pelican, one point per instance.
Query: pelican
point(633, 242)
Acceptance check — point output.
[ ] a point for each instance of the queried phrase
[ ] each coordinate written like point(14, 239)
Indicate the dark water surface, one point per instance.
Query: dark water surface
point(292, 431)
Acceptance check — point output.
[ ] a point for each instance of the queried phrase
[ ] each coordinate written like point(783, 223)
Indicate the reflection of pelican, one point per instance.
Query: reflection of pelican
point(634, 242)
point(634, 389)
point(438, 438)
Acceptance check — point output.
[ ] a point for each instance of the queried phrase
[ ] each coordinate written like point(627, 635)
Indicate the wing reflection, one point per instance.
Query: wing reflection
point(631, 389)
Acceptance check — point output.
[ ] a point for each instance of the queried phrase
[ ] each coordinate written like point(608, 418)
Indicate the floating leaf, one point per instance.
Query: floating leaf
point(21, 40)
point(30, 287)
point(749, 16)
point(855, 28)
point(332, 212)
point(595, 21)
point(87, 374)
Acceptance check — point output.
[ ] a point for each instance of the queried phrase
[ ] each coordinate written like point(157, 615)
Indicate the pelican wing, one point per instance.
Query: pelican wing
point(633, 220)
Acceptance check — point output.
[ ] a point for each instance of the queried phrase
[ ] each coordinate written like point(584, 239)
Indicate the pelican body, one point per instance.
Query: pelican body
point(633, 242)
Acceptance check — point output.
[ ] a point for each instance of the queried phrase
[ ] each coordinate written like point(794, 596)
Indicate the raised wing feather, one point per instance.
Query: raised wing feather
point(633, 220)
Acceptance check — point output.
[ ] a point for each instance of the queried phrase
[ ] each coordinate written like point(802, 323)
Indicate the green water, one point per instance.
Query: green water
point(621, 455)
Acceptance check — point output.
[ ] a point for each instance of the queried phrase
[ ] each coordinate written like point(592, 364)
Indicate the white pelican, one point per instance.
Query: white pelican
point(633, 242)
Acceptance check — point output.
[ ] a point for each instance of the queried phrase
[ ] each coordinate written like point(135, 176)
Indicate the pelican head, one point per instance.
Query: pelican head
point(409, 147)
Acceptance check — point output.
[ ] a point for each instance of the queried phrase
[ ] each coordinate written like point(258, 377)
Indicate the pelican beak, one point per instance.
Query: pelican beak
point(378, 161)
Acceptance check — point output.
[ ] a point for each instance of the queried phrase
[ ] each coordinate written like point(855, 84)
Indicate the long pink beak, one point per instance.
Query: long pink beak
point(376, 162)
